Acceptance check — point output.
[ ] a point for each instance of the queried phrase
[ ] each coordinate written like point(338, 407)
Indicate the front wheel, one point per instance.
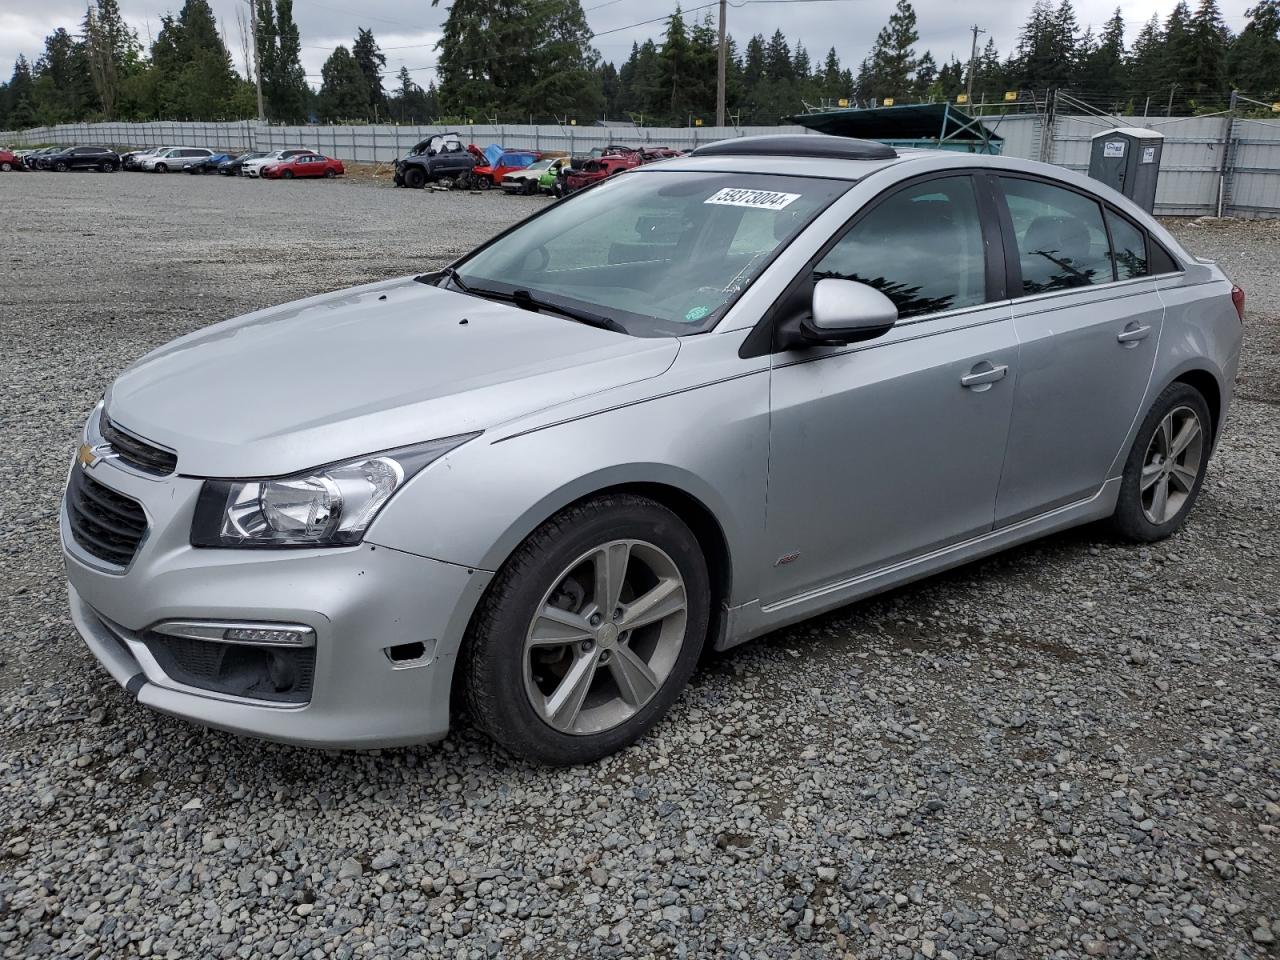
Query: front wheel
point(61, 167)
point(288, 174)
point(162, 168)
point(6, 166)
point(108, 167)
point(482, 183)
point(414, 178)
point(589, 632)
point(1166, 467)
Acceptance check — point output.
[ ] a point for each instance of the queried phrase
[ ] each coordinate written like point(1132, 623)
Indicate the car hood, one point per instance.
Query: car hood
point(364, 370)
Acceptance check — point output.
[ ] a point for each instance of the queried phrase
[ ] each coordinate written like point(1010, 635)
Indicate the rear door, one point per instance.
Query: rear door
point(1088, 319)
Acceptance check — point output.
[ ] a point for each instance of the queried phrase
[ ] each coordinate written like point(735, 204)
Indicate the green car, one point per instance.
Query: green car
point(538, 177)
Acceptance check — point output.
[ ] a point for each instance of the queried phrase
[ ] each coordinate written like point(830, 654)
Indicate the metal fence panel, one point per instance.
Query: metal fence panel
point(1253, 187)
point(1193, 178)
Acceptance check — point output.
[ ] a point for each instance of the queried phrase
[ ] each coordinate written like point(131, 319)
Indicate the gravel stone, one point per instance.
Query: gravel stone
point(1066, 750)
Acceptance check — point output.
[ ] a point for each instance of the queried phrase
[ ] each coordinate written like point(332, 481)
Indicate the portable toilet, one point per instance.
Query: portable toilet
point(1127, 159)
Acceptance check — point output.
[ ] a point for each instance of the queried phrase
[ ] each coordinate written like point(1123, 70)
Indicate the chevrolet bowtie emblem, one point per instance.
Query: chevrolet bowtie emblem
point(87, 456)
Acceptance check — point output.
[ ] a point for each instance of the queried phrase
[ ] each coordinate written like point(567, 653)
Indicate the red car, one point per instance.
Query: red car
point(606, 166)
point(306, 165)
point(485, 176)
point(9, 160)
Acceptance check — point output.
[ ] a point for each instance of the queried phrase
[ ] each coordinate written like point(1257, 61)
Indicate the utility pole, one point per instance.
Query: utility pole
point(973, 61)
point(721, 67)
point(257, 57)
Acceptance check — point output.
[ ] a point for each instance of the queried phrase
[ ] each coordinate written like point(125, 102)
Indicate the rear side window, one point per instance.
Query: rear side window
point(921, 247)
point(1061, 239)
point(1128, 248)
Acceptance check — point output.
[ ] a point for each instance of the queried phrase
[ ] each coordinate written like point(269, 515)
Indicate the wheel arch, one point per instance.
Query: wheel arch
point(1208, 387)
point(694, 510)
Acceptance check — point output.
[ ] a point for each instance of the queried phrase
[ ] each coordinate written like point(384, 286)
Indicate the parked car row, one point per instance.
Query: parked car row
point(279, 165)
point(444, 159)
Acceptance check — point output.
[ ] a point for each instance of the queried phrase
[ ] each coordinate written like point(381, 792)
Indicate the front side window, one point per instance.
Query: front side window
point(1128, 248)
point(1061, 240)
point(656, 252)
point(921, 247)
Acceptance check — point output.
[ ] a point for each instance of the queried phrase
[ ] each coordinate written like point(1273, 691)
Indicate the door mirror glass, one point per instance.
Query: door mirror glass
point(846, 311)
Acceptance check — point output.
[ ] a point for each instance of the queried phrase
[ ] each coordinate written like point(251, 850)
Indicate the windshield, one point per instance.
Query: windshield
point(658, 252)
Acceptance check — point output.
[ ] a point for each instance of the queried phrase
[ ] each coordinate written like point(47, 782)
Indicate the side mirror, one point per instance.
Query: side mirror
point(846, 311)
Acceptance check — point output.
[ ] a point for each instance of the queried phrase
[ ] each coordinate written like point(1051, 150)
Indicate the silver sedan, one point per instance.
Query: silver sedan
point(690, 405)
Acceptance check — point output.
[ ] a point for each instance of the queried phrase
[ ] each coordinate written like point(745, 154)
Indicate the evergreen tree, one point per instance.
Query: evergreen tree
point(19, 96)
point(62, 90)
point(1103, 72)
point(289, 93)
point(371, 60)
point(753, 63)
point(1206, 67)
point(777, 59)
point(1147, 59)
point(892, 62)
point(675, 68)
point(344, 91)
point(1047, 47)
point(1254, 61)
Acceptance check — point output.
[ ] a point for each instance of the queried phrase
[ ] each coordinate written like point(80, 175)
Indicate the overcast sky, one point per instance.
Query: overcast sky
point(408, 29)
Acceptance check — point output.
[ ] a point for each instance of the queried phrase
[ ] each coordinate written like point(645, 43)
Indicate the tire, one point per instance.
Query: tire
point(330, 174)
point(288, 175)
point(61, 167)
point(415, 178)
point(161, 168)
point(107, 167)
point(511, 683)
point(6, 166)
point(530, 187)
point(1172, 484)
point(482, 183)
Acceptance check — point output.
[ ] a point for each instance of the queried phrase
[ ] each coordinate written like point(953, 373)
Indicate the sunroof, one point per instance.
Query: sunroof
point(798, 145)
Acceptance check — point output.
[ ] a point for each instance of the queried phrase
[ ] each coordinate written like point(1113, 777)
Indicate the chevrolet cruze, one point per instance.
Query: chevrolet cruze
point(700, 401)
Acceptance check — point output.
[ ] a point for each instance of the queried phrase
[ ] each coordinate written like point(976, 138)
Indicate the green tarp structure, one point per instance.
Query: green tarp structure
point(938, 126)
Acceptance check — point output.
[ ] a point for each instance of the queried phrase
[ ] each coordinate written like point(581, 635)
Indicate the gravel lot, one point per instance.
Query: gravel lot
point(1068, 750)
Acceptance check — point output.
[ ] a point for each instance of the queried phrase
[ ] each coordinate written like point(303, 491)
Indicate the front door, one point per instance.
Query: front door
point(1088, 322)
point(891, 448)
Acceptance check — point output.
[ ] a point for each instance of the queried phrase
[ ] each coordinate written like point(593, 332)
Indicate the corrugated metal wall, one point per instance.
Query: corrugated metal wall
point(1253, 177)
point(1191, 171)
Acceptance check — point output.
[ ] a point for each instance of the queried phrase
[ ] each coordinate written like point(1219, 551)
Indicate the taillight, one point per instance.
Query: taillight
point(1237, 300)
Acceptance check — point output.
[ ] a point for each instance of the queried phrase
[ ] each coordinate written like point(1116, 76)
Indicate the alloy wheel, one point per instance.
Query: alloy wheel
point(1172, 465)
point(605, 637)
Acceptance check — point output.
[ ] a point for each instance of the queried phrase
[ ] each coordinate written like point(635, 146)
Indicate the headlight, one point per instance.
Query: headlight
point(326, 507)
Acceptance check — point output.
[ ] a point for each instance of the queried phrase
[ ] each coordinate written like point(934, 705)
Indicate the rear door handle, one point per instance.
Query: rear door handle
point(983, 375)
point(1132, 334)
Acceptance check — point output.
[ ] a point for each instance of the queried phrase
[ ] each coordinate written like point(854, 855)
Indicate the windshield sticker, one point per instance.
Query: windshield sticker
point(759, 199)
point(697, 313)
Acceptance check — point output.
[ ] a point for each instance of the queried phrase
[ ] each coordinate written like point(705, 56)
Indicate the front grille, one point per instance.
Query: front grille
point(136, 452)
point(280, 674)
point(106, 524)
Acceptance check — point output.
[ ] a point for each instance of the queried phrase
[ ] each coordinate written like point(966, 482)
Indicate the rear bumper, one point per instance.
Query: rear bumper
point(360, 601)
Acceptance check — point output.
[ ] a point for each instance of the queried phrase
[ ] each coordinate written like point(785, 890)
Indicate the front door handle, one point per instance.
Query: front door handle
point(1133, 333)
point(983, 375)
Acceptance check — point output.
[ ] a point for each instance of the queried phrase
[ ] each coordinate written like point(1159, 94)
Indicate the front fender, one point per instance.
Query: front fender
point(476, 505)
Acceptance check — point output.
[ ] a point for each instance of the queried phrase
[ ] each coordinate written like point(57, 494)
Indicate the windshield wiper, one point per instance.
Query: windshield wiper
point(523, 298)
point(527, 301)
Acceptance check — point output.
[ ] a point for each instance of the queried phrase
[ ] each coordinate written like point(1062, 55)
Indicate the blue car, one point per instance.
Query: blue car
point(209, 164)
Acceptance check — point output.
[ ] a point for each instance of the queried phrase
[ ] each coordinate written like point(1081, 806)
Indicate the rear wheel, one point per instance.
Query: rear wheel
point(589, 632)
point(414, 178)
point(6, 166)
point(1166, 467)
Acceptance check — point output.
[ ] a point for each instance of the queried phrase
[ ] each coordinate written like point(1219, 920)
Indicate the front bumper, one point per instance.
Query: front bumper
point(360, 601)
